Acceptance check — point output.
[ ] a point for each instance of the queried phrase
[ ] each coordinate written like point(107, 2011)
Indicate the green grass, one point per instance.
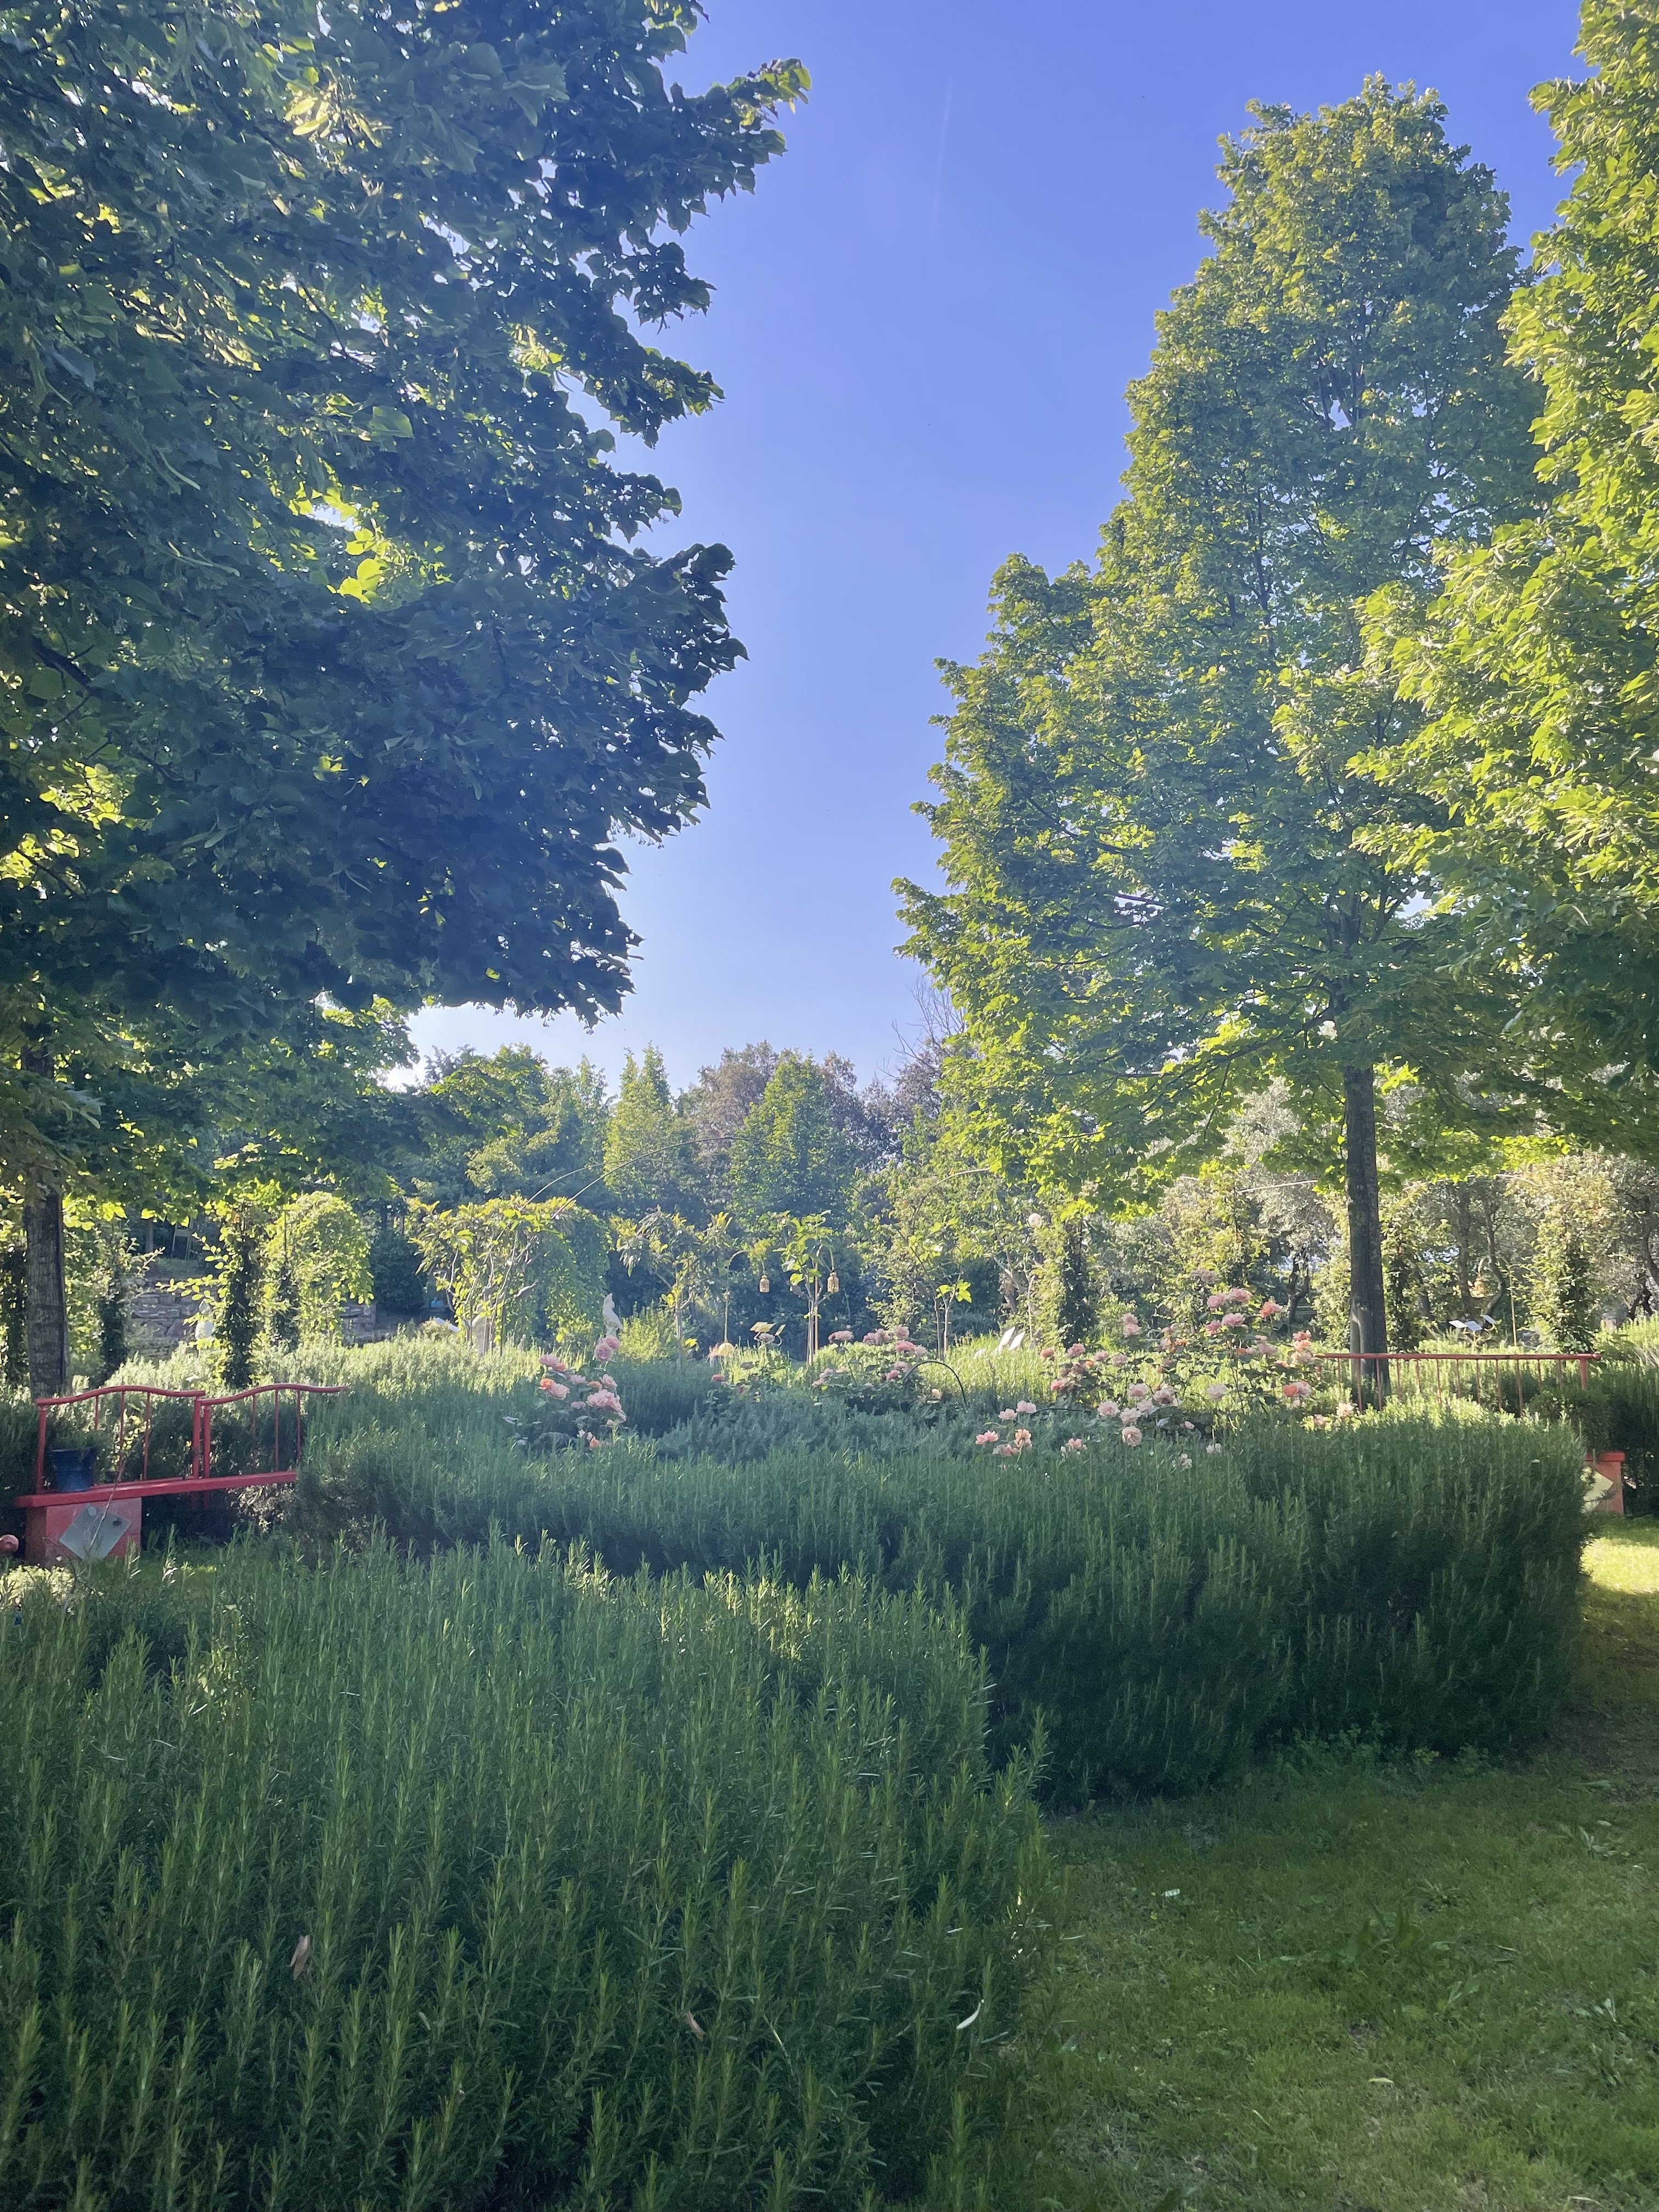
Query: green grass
point(1364, 1987)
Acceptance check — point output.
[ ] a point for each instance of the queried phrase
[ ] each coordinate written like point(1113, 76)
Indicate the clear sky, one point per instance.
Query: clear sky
point(924, 320)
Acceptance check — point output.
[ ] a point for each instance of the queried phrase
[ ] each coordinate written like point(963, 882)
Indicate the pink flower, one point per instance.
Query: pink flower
point(554, 1389)
point(842, 1336)
point(1212, 1329)
point(1006, 1414)
point(1235, 1297)
point(1234, 1321)
point(1046, 1353)
point(557, 1365)
point(1269, 1309)
point(1022, 1440)
point(876, 1336)
point(607, 1347)
point(1025, 1406)
point(1295, 1391)
point(894, 1374)
point(1004, 1451)
point(1137, 1393)
point(1072, 1444)
point(1131, 1435)
point(1164, 1395)
point(1214, 1303)
point(1215, 1392)
point(988, 1436)
point(1059, 1382)
point(1131, 1326)
point(1302, 1337)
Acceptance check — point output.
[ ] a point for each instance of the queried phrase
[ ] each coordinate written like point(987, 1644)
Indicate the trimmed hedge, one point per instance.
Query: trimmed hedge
point(1410, 1577)
point(495, 1881)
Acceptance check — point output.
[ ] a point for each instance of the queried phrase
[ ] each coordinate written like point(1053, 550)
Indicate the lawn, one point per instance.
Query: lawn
point(1380, 1988)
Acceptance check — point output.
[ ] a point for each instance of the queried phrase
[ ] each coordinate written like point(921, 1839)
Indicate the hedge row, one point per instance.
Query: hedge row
point(495, 1881)
point(1409, 1577)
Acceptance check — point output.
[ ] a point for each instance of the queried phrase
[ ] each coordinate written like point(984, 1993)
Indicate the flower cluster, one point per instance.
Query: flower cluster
point(882, 1371)
point(574, 1409)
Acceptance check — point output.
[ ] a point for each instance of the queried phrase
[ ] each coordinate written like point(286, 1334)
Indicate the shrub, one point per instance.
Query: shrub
point(495, 1882)
point(1413, 1576)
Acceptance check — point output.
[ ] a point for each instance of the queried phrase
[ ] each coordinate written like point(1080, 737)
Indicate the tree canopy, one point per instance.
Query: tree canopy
point(330, 659)
point(1536, 668)
point(1162, 887)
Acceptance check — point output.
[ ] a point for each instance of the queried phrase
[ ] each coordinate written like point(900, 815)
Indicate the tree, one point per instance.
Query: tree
point(1536, 668)
point(512, 1126)
point(794, 1154)
point(650, 1163)
point(328, 660)
point(720, 1100)
point(1164, 892)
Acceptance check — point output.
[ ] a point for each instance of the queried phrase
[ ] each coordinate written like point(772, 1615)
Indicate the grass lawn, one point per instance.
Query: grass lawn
point(1370, 1990)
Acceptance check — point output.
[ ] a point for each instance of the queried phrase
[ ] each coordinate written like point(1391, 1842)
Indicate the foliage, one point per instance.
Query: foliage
point(564, 1889)
point(277, 669)
point(1412, 1576)
point(1163, 892)
point(1535, 669)
point(531, 1271)
point(793, 1154)
point(239, 1303)
point(320, 1239)
point(1563, 1292)
point(649, 1158)
point(394, 1270)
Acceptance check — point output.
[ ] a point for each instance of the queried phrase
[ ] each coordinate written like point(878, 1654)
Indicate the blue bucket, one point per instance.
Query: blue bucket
point(73, 1466)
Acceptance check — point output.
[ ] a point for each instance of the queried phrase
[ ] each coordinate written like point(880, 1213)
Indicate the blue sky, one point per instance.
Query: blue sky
point(924, 320)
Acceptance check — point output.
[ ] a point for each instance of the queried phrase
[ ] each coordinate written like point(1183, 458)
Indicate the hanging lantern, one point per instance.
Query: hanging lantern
point(765, 1285)
point(834, 1284)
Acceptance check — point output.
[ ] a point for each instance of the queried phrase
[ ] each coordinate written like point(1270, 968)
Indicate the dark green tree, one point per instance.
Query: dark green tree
point(792, 1153)
point(1537, 668)
point(1163, 889)
point(330, 658)
point(650, 1159)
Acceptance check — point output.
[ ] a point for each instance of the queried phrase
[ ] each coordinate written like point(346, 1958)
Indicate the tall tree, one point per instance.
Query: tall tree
point(793, 1153)
point(650, 1160)
point(1538, 667)
point(1163, 892)
point(329, 661)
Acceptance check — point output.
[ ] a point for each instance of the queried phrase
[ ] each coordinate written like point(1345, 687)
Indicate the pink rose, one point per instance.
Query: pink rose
point(1131, 1435)
point(988, 1437)
point(554, 1389)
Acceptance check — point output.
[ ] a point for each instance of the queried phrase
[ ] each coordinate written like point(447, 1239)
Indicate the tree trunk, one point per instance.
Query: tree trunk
point(46, 1321)
point(1367, 1315)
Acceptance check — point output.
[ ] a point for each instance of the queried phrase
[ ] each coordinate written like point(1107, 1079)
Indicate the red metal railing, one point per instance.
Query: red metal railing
point(1484, 1369)
point(133, 1432)
point(254, 1398)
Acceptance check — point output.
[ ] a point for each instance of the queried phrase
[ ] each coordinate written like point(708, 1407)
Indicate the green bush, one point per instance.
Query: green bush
point(1412, 1576)
point(496, 1882)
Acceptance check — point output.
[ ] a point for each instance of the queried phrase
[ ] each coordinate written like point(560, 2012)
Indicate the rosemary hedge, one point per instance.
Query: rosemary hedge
point(1411, 1577)
point(495, 1881)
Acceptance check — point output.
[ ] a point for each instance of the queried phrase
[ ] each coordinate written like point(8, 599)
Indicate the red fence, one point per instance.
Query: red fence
point(128, 1433)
